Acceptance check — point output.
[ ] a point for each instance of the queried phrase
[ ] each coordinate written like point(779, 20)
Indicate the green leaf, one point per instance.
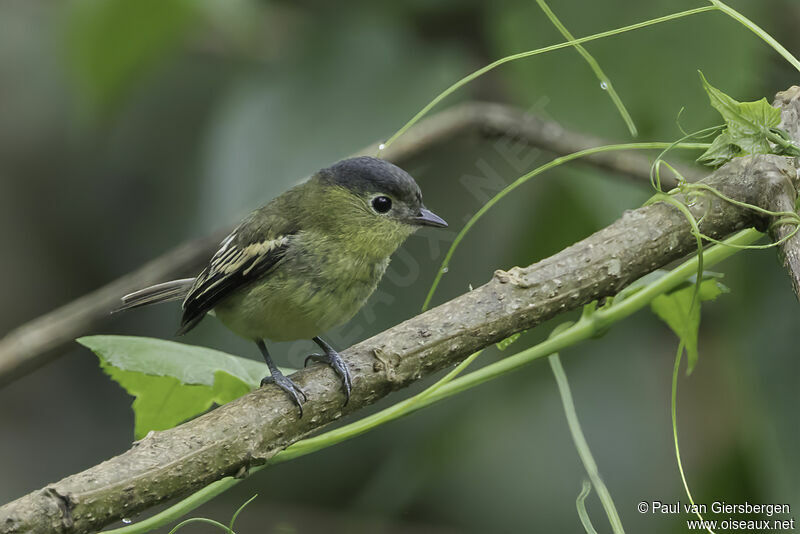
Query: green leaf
point(721, 151)
point(681, 311)
point(172, 382)
point(160, 402)
point(188, 363)
point(743, 118)
point(748, 126)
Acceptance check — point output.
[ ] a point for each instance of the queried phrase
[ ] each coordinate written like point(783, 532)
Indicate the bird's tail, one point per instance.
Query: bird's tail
point(174, 290)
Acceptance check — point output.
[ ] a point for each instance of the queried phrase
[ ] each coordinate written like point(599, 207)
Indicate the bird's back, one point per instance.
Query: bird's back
point(247, 255)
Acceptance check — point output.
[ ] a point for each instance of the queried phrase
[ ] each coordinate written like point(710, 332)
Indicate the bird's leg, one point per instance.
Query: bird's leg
point(280, 379)
point(332, 358)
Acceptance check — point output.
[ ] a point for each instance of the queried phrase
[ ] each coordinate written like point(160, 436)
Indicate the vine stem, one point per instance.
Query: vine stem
point(211, 522)
point(588, 326)
point(756, 29)
point(674, 413)
point(524, 178)
point(582, 445)
point(716, 5)
point(605, 81)
point(580, 504)
point(566, 44)
point(655, 168)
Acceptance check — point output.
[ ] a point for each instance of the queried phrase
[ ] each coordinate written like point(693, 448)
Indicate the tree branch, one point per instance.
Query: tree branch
point(41, 340)
point(789, 102)
point(250, 430)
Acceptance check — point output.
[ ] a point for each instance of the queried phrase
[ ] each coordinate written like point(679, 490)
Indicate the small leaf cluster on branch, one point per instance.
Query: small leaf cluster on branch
point(750, 128)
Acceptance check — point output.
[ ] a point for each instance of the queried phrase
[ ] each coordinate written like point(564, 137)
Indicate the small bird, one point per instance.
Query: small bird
point(305, 262)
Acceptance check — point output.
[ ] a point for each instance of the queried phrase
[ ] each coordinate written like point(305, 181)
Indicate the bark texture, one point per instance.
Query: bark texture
point(250, 430)
point(789, 102)
point(41, 340)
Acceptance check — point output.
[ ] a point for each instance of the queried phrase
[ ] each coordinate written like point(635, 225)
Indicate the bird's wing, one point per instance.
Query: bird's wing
point(247, 254)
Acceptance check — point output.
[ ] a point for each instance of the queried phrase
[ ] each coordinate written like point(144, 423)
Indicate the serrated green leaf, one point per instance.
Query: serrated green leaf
point(748, 126)
point(172, 382)
point(721, 151)
point(160, 402)
point(682, 313)
point(743, 118)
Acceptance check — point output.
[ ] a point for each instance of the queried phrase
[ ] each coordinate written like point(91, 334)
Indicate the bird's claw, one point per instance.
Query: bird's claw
point(333, 359)
point(289, 387)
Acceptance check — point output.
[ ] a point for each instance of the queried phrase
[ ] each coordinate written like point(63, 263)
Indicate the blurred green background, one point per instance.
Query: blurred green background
point(127, 127)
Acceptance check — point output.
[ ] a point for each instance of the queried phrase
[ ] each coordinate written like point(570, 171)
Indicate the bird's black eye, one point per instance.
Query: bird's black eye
point(381, 204)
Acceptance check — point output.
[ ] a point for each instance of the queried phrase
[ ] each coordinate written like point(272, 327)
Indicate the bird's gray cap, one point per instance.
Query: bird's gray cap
point(372, 175)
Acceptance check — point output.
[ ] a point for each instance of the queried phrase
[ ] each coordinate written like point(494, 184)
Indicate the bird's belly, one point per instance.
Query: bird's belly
point(287, 308)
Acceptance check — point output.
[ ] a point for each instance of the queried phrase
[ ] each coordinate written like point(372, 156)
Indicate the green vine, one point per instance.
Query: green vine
point(581, 444)
point(591, 323)
point(227, 529)
point(655, 168)
point(740, 130)
point(444, 267)
point(605, 81)
point(580, 504)
point(716, 5)
point(753, 27)
point(674, 415)
point(573, 42)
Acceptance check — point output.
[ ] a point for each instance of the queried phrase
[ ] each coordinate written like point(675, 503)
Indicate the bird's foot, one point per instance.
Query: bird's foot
point(332, 358)
point(294, 391)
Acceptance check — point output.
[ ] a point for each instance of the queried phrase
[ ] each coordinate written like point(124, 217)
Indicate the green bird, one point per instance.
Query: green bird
point(304, 263)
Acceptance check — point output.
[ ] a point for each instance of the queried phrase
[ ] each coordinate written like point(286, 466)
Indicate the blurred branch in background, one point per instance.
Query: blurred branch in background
point(39, 341)
point(252, 429)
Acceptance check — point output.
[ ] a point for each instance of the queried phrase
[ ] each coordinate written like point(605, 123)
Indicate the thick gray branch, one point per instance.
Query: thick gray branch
point(43, 339)
point(252, 429)
point(789, 102)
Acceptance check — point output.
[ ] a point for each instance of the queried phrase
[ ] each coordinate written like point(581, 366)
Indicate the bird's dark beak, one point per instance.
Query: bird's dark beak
point(428, 218)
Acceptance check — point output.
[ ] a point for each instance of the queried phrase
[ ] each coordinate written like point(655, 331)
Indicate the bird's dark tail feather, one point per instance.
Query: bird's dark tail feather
point(187, 325)
point(174, 290)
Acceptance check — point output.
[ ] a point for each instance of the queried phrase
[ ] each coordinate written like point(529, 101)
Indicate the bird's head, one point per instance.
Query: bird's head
point(374, 201)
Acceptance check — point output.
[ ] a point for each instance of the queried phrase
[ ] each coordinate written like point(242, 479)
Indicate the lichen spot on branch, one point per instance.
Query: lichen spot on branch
point(515, 276)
